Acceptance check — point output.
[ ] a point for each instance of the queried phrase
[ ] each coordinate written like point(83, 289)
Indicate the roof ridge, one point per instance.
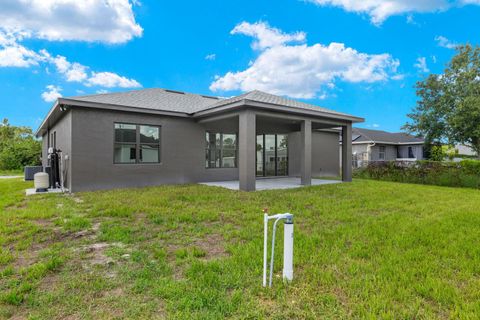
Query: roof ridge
point(146, 89)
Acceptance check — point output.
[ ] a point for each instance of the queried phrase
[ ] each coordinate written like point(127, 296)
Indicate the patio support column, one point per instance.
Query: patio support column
point(246, 150)
point(347, 153)
point(306, 153)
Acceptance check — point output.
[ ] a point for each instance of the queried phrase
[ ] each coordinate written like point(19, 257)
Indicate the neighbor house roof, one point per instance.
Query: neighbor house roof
point(360, 135)
point(184, 104)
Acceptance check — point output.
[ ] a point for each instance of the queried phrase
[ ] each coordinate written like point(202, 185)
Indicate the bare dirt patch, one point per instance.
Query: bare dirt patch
point(96, 256)
point(212, 244)
point(44, 223)
point(115, 293)
point(96, 253)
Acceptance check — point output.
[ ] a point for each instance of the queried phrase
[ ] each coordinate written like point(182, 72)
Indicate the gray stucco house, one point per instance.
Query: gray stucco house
point(156, 136)
point(377, 145)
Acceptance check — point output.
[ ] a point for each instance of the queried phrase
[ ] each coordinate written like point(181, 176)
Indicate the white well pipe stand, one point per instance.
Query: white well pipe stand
point(287, 246)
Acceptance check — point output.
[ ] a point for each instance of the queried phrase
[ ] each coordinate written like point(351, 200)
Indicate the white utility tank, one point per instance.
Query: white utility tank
point(41, 181)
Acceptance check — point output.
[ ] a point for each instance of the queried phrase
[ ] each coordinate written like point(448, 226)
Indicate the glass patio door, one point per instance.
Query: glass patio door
point(272, 155)
point(282, 155)
point(269, 155)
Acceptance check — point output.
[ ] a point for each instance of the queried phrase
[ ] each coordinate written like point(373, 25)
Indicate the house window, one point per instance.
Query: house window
point(220, 150)
point(399, 154)
point(411, 152)
point(381, 152)
point(136, 143)
point(52, 142)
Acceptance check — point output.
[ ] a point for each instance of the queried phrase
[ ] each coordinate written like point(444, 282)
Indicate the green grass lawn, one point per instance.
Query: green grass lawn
point(366, 249)
point(11, 172)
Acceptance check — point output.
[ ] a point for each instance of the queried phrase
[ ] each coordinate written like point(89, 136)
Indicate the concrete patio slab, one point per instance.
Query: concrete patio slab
point(270, 183)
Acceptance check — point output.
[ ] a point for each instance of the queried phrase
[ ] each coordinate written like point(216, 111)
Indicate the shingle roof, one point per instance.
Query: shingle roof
point(367, 135)
point(260, 96)
point(176, 101)
point(155, 99)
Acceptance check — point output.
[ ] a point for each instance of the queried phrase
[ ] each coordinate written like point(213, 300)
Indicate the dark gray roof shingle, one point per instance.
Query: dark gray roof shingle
point(368, 135)
point(264, 97)
point(155, 99)
point(176, 101)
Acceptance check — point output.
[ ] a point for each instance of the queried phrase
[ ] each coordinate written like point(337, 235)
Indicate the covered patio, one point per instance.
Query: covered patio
point(286, 141)
point(271, 183)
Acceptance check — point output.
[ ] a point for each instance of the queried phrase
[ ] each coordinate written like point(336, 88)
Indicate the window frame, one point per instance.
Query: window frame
point(138, 144)
point(380, 152)
point(413, 151)
point(208, 150)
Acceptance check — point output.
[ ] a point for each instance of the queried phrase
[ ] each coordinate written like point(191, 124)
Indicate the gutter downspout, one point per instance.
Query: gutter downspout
point(369, 146)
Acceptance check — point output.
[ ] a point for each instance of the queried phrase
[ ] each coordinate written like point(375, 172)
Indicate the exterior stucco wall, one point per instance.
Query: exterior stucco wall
point(325, 154)
point(182, 152)
point(359, 148)
point(87, 137)
point(63, 133)
point(390, 151)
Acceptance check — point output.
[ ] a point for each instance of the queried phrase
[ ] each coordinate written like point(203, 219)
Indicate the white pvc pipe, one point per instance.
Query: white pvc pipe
point(265, 244)
point(287, 247)
point(288, 252)
point(273, 251)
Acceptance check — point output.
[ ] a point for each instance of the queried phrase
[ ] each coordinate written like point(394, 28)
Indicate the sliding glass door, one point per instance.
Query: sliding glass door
point(272, 155)
point(282, 155)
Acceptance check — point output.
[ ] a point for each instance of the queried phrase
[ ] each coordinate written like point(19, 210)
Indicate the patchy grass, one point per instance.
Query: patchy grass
point(368, 249)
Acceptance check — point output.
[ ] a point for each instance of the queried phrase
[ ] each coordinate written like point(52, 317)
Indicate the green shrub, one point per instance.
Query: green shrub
point(453, 174)
point(18, 147)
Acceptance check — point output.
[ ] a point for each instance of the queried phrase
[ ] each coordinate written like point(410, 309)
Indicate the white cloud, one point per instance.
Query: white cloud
point(211, 56)
point(380, 10)
point(52, 93)
point(398, 76)
point(266, 36)
point(445, 43)
point(421, 65)
point(17, 56)
point(73, 72)
point(59, 61)
point(111, 80)
point(13, 54)
point(303, 71)
point(76, 73)
point(110, 21)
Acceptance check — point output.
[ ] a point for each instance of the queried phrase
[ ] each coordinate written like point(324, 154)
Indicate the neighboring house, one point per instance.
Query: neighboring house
point(376, 145)
point(156, 136)
point(465, 150)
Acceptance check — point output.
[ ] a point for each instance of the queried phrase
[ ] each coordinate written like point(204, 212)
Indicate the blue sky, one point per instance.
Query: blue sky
point(362, 58)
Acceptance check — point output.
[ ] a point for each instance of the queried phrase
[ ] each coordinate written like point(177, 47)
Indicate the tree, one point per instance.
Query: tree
point(448, 108)
point(18, 147)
